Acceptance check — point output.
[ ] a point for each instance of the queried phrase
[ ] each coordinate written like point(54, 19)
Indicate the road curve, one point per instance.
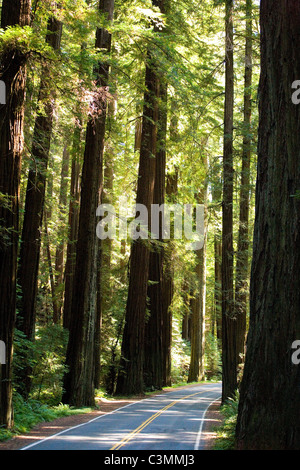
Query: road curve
point(169, 421)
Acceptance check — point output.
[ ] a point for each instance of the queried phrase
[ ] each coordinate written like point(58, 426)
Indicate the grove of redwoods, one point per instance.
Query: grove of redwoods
point(156, 101)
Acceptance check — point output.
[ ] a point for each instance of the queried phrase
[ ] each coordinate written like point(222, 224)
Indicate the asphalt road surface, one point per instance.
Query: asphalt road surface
point(170, 421)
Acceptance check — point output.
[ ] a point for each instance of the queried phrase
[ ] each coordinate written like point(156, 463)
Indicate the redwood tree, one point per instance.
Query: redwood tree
point(13, 73)
point(229, 366)
point(196, 370)
point(79, 380)
point(74, 206)
point(34, 203)
point(242, 257)
point(155, 335)
point(168, 262)
point(130, 378)
point(268, 416)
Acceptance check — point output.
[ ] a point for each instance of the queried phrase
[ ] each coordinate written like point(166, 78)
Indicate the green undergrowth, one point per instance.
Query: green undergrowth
point(28, 414)
point(226, 432)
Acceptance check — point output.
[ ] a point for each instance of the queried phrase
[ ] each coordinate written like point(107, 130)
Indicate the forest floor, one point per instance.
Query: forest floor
point(213, 419)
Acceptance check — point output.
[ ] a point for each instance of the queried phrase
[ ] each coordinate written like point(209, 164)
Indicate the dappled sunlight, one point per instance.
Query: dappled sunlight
point(171, 421)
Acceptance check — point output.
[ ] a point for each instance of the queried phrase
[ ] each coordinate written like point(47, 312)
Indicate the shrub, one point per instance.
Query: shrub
point(226, 433)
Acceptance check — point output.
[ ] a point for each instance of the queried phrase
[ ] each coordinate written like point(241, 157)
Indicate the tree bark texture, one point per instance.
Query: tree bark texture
point(242, 258)
point(196, 371)
point(168, 286)
point(79, 382)
point(60, 250)
point(268, 417)
point(171, 183)
point(34, 203)
point(217, 198)
point(156, 323)
point(13, 73)
point(229, 366)
point(131, 378)
point(74, 206)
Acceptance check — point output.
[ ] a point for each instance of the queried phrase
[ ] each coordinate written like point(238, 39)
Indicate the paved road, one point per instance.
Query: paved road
point(170, 421)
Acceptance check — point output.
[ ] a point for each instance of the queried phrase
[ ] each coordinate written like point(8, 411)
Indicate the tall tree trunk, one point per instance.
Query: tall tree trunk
point(242, 261)
point(217, 320)
point(156, 323)
point(59, 256)
point(13, 74)
point(79, 381)
point(104, 264)
point(268, 417)
point(50, 268)
point(34, 204)
point(74, 206)
point(98, 315)
point(168, 262)
point(196, 371)
point(218, 284)
point(229, 365)
point(130, 378)
point(168, 285)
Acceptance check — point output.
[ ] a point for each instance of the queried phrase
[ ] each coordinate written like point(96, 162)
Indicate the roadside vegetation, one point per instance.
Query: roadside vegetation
point(226, 432)
point(32, 412)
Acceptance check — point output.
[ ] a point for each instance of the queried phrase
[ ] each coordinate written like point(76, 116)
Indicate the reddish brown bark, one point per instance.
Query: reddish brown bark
point(130, 379)
point(13, 73)
point(196, 371)
point(242, 258)
point(74, 206)
point(268, 417)
point(79, 381)
point(155, 335)
point(34, 204)
point(229, 365)
point(60, 250)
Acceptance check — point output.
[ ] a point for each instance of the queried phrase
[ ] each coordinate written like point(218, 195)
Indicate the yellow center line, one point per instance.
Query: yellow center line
point(142, 426)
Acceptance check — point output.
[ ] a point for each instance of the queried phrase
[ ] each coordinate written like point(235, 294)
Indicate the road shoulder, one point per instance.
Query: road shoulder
point(213, 420)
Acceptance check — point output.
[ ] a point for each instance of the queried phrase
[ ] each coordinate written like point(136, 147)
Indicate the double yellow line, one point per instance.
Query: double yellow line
point(149, 420)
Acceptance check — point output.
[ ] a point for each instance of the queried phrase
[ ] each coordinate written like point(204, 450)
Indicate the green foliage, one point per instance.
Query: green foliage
point(212, 357)
point(28, 414)
point(26, 40)
point(46, 358)
point(51, 342)
point(297, 194)
point(181, 351)
point(226, 433)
